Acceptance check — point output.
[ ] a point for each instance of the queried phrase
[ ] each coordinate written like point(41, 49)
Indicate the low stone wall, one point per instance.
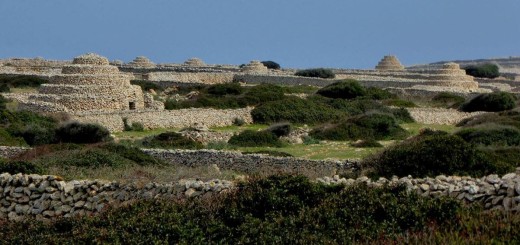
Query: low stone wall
point(45, 196)
point(282, 80)
point(250, 163)
point(184, 77)
point(440, 115)
point(12, 151)
point(166, 119)
point(493, 191)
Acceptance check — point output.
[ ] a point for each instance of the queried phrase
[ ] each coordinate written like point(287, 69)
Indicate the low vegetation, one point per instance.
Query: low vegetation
point(484, 71)
point(22, 81)
point(250, 138)
point(316, 72)
point(170, 140)
point(496, 101)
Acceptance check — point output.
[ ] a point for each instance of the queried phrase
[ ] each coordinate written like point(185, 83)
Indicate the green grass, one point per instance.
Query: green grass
point(234, 128)
point(135, 135)
point(414, 128)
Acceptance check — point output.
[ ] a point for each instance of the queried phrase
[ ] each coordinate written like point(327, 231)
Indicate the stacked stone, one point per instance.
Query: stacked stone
point(494, 192)
point(142, 62)
point(389, 63)
point(46, 197)
point(88, 84)
point(194, 62)
point(256, 67)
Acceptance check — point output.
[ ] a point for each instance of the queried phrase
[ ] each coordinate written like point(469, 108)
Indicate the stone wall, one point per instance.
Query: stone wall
point(251, 163)
point(12, 151)
point(195, 78)
point(166, 119)
point(439, 115)
point(493, 191)
point(46, 196)
point(282, 80)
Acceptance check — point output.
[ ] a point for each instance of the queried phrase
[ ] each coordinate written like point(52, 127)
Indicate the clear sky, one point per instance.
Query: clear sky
point(294, 33)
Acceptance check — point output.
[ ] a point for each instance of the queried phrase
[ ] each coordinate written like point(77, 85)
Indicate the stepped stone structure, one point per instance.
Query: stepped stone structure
point(194, 62)
point(89, 84)
point(255, 66)
point(142, 62)
point(389, 63)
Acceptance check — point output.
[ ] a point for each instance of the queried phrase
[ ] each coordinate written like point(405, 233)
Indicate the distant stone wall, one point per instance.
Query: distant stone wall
point(167, 119)
point(12, 151)
point(282, 80)
point(184, 77)
point(440, 115)
point(251, 163)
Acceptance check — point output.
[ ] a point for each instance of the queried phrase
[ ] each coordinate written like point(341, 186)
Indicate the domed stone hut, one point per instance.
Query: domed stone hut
point(194, 62)
point(389, 63)
point(255, 66)
point(89, 84)
point(142, 62)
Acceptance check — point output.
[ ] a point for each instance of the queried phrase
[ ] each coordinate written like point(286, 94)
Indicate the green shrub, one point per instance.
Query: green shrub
point(369, 143)
point(239, 122)
point(399, 103)
point(271, 65)
point(316, 72)
point(89, 157)
point(79, 133)
point(3, 101)
point(430, 155)
point(147, 85)
point(448, 100)
point(136, 126)
point(170, 140)
point(347, 89)
point(33, 128)
point(225, 89)
point(511, 118)
point(309, 140)
point(504, 157)
point(294, 110)
point(491, 134)
point(7, 140)
point(300, 89)
point(375, 126)
point(485, 71)
point(263, 93)
point(378, 94)
point(132, 153)
point(20, 167)
point(496, 101)
point(362, 106)
point(22, 81)
point(250, 138)
point(4, 88)
point(280, 129)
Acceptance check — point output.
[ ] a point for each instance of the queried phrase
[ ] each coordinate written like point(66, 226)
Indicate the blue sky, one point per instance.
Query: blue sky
point(294, 33)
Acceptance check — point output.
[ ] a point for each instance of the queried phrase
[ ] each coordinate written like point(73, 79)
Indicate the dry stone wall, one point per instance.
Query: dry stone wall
point(167, 119)
point(12, 151)
point(439, 115)
point(193, 78)
point(46, 196)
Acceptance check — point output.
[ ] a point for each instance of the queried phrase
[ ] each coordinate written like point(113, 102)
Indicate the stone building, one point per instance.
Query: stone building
point(141, 62)
point(194, 62)
point(255, 66)
point(389, 63)
point(90, 84)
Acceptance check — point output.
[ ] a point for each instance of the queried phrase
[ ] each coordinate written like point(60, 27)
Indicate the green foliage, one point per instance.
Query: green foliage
point(448, 100)
point(170, 140)
point(491, 134)
point(294, 110)
point(504, 157)
point(271, 65)
point(485, 71)
point(147, 85)
point(14, 167)
point(496, 101)
point(7, 140)
point(131, 153)
point(309, 140)
point(4, 88)
point(511, 118)
point(369, 143)
point(263, 93)
point(316, 72)
point(225, 89)
point(280, 129)
point(374, 126)
point(239, 122)
point(378, 94)
point(250, 138)
point(399, 103)
point(3, 101)
point(347, 89)
point(274, 210)
point(79, 133)
point(430, 155)
point(33, 128)
point(22, 81)
point(136, 126)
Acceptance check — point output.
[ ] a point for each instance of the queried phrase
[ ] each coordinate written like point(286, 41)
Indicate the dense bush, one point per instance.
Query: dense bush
point(275, 210)
point(7, 139)
point(375, 126)
point(271, 65)
point(399, 103)
point(132, 153)
point(250, 138)
point(378, 94)
point(170, 140)
point(496, 101)
point(79, 133)
point(294, 110)
point(135, 126)
point(4, 88)
point(316, 72)
point(33, 128)
point(239, 122)
point(280, 129)
point(485, 71)
point(225, 89)
point(491, 134)
point(347, 89)
point(430, 155)
point(3, 102)
point(504, 157)
point(263, 93)
point(448, 100)
point(147, 85)
point(15, 167)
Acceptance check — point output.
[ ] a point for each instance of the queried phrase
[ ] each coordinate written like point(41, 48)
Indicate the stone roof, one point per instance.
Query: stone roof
point(389, 63)
point(255, 66)
point(90, 59)
point(141, 61)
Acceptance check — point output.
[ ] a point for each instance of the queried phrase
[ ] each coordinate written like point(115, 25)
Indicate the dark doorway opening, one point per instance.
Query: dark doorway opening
point(131, 105)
